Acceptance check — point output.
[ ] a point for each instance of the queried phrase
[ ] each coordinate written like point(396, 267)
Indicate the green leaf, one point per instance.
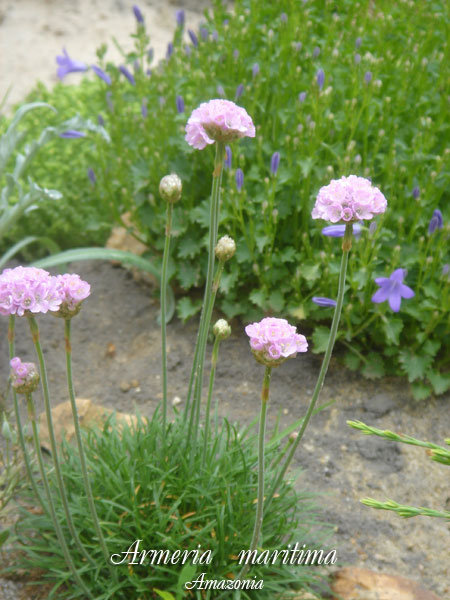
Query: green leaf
point(261, 241)
point(440, 382)
point(431, 347)
point(276, 301)
point(414, 365)
point(186, 308)
point(374, 367)
point(164, 595)
point(97, 254)
point(4, 535)
point(46, 242)
point(288, 254)
point(187, 275)
point(258, 297)
point(320, 339)
point(188, 247)
point(187, 574)
point(310, 272)
point(420, 391)
point(392, 329)
point(352, 361)
point(306, 165)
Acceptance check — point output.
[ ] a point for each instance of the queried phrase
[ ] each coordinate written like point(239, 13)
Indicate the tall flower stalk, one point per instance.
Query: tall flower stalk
point(48, 411)
point(76, 422)
point(170, 189)
point(219, 122)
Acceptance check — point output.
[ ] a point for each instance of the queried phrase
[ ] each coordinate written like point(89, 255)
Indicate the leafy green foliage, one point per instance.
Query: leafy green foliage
point(159, 493)
point(392, 130)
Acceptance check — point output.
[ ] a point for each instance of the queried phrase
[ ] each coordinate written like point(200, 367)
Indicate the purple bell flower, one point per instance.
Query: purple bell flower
point(228, 157)
point(67, 65)
point(239, 91)
point(320, 78)
point(72, 134)
point(301, 97)
point(392, 289)
point(325, 302)
point(255, 69)
point(194, 38)
point(239, 179)
point(127, 74)
point(180, 104)
point(91, 175)
point(101, 73)
point(138, 14)
point(274, 163)
point(339, 230)
point(180, 18)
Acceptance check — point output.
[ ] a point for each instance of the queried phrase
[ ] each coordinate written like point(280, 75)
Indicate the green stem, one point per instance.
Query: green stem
point(199, 356)
point(215, 353)
point(51, 506)
point(346, 246)
point(87, 483)
point(23, 446)
point(48, 411)
point(260, 500)
point(163, 310)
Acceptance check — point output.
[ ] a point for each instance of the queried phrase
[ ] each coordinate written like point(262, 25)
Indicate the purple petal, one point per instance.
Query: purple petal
point(406, 292)
point(380, 295)
point(397, 275)
point(321, 301)
point(395, 301)
point(72, 133)
point(382, 280)
point(101, 73)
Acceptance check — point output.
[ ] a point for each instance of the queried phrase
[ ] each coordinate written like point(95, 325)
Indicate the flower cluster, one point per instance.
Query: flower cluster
point(218, 121)
point(28, 289)
point(273, 341)
point(24, 376)
point(348, 199)
point(72, 291)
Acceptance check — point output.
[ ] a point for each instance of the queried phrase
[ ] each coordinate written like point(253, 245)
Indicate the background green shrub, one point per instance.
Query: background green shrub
point(380, 114)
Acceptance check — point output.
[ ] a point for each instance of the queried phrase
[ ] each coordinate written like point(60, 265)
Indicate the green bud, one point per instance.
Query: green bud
point(221, 329)
point(170, 188)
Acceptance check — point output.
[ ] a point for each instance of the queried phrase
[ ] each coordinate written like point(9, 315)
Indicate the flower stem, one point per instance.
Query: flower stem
point(260, 500)
point(51, 506)
point(26, 456)
point(48, 411)
point(215, 354)
point(199, 355)
point(163, 311)
point(87, 483)
point(346, 246)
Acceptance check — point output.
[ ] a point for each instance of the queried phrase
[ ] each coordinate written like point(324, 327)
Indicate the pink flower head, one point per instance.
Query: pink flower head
point(72, 291)
point(273, 341)
point(27, 289)
point(24, 376)
point(218, 121)
point(348, 199)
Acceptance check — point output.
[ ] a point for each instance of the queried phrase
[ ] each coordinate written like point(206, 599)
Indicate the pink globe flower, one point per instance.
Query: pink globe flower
point(28, 289)
point(348, 199)
point(72, 291)
point(218, 121)
point(273, 341)
point(24, 376)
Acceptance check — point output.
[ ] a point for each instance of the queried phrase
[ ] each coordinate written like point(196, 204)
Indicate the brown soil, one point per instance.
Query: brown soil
point(116, 347)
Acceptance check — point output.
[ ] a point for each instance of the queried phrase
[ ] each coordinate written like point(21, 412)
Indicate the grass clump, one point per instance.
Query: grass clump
point(160, 494)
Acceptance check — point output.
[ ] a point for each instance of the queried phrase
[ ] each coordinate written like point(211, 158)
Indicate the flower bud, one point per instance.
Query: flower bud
point(24, 376)
point(170, 188)
point(221, 329)
point(225, 249)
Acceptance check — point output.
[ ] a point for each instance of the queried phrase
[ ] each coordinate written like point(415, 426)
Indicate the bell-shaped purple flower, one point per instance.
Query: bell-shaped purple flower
point(127, 74)
point(204, 33)
point(392, 289)
point(415, 192)
point(358, 42)
point(436, 222)
point(228, 157)
point(72, 134)
point(144, 109)
point(138, 14)
point(239, 91)
point(220, 91)
point(339, 230)
point(316, 52)
point(283, 17)
point(101, 73)
point(368, 77)
point(255, 70)
point(274, 163)
point(169, 51)
point(239, 179)
point(235, 54)
point(91, 175)
point(357, 58)
point(320, 78)
point(180, 104)
point(215, 36)
point(67, 65)
point(180, 18)
point(321, 301)
point(194, 38)
point(101, 120)
point(301, 97)
point(150, 54)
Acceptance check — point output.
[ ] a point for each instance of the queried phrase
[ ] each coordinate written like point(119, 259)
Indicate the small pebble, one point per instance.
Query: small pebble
point(125, 386)
point(134, 383)
point(285, 411)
